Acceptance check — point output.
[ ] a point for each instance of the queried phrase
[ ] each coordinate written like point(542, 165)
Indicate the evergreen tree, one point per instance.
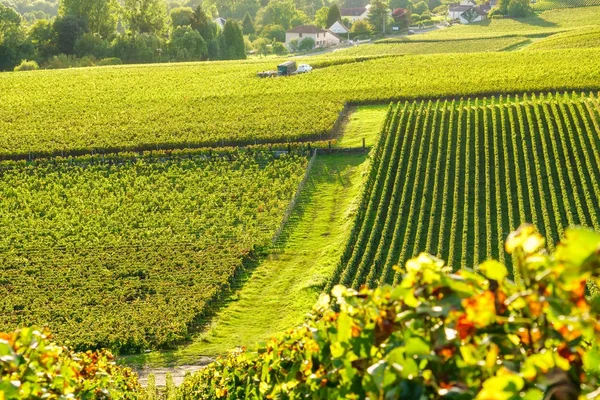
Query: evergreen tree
point(203, 24)
point(248, 24)
point(333, 15)
point(233, 39)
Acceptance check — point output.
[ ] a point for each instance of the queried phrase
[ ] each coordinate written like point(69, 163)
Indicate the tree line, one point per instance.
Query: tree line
point(88, 32)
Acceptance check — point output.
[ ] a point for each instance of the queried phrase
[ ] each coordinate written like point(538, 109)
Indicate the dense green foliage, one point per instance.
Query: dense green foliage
point(569, 40)
point(453, 178)
point(128, 253)
point(214, 103)
point(437, 334)
point(32, 366)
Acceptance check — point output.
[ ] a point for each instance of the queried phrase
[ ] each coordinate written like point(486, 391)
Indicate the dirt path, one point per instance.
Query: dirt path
point(178, 372)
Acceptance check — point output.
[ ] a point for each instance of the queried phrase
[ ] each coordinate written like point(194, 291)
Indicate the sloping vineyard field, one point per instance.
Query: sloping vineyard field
point(213, 104)
point(544, 5)
point(128, 253)
point(539, 24)
point(435, 47)
point(454, 177)
point(569, 40)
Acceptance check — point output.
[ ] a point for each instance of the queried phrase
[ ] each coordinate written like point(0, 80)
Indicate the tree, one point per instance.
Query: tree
point(145, 16)
point(138, 48)
point(273, 32)
point(181, 16)
point(91, 45)
point(378, 15)
point(306, 44)
point(261, 45)
point(203, 24)
point(321, 17)
point(43, 38)
point(361, 27)
point(14, 46)
point(293, 45)
point(420, 7)
point(333, 15)
point(98, 16)
point(234, 41)
point(518, 8)
point(248, 25)
point(68, 29)
point(406, 4)
point(279, 49)
point(187, 45)
point(278, 12)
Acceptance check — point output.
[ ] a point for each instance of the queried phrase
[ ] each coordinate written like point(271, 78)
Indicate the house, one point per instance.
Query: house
point(356, 13)
point(322, 37)
point(468, 11)
point(220, 21)
point(339, 29)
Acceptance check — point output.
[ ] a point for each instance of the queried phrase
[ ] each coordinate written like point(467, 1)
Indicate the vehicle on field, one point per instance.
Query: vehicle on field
point(286, 68)
point(302, 68)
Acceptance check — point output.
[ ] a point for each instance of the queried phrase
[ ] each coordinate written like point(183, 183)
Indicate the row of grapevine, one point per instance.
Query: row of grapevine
point(472, 171)
point(131, 255)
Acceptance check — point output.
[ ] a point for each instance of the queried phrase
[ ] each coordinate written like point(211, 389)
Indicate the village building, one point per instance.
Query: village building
point(355, 14)
point(322, 37)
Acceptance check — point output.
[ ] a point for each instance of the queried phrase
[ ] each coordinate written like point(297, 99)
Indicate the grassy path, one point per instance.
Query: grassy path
point(287, 282)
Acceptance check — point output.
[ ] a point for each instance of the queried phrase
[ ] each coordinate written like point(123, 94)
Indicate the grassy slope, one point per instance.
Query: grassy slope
point(286, 284)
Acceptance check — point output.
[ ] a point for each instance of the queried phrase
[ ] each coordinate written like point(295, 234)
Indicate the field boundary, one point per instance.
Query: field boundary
point(292, 205)
point(320, 140)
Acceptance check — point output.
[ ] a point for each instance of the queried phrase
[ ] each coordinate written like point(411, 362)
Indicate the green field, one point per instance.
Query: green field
point(453, 178)
point(129, 253)
point(581, 38)
point(547, 22)
point(543, 5)
point(189, 105)
point(435, 47)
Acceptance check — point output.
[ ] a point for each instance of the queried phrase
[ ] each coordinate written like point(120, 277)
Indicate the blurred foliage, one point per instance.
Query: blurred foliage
point(438, 334)
point(32, 366)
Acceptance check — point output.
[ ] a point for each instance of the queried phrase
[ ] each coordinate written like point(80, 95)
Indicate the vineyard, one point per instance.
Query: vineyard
point(584, 38)
point(454, 177)
point(213, 104)
point(129, 253)
point(435, 47)
point(544, 5)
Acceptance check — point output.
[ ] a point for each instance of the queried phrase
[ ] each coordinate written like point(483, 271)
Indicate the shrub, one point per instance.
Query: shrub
point(33, 367)
point(279, 49)
point(109, 61)
point(438, 334)
point(27, 65)
point(306, 44)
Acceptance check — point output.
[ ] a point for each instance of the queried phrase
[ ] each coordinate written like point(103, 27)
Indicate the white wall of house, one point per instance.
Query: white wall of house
point(323, 39)
point(338, 28)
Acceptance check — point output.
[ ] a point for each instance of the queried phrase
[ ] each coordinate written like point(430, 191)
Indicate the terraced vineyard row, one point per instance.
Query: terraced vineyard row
point(128, 254)
point(453, 178)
